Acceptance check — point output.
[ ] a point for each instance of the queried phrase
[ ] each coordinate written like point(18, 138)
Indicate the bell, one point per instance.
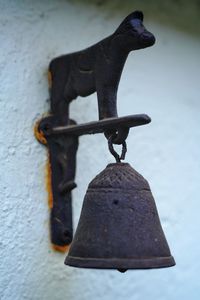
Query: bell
point(119, 226)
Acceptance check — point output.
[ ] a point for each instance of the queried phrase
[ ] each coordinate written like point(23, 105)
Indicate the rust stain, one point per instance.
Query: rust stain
point(49, 78)
point(58, 248)
point(48, 183)
point(39, 135)
point(62, 249)
point(48, 178)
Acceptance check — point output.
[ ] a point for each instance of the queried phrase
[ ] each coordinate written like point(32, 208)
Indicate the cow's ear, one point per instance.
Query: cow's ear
point(138, 15)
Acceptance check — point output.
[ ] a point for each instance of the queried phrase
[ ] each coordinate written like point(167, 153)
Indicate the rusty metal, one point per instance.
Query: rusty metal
point(48, 125)
point(62, 158)
point(119, 226)
point(95, 69)
point(112, 150)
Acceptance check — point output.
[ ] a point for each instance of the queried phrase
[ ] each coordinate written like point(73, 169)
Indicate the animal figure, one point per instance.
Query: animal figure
point(97, 68)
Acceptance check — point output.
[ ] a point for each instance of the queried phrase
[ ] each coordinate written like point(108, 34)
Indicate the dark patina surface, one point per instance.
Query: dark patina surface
point(95, 69)
point(119, 226)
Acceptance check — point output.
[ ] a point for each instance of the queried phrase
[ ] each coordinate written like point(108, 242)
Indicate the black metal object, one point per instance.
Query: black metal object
point(95, 69)
point(48, 126)
point(62, 158)
point(119, 226)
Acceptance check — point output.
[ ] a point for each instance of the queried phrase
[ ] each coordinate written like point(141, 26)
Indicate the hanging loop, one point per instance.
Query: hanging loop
point(119, 136)
point(112, 150)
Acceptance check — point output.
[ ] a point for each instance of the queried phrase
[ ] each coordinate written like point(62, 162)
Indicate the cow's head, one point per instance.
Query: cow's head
point(132, 34)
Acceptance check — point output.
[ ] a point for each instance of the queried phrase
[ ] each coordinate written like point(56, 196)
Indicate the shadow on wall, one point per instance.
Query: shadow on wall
point(183, 15)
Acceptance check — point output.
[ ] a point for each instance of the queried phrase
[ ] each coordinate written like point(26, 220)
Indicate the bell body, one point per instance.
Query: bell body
point(119, 226)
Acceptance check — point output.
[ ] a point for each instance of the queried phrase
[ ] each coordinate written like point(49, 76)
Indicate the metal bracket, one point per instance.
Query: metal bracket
point(95, 69)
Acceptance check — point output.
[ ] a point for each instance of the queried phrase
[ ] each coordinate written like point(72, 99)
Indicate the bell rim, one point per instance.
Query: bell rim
point(120, 263)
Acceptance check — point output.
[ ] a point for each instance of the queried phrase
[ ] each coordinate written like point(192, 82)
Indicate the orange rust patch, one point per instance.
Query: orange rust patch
point(49, 78)
point(39, 135)
point(48, 183)
point(62, 249)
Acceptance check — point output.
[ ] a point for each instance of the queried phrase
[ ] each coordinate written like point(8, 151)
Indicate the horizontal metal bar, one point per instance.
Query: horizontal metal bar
point(103, 125)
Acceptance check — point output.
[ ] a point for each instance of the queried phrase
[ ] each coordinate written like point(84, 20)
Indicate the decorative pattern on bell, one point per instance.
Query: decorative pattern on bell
point(119, 226)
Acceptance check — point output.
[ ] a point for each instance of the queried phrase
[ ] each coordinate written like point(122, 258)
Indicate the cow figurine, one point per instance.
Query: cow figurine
point(97, 68)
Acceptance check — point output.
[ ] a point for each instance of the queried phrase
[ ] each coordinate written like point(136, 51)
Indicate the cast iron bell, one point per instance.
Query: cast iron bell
point(119, 227)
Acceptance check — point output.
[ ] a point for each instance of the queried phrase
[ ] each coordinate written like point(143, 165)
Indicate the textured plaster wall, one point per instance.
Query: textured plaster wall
point(162, 81)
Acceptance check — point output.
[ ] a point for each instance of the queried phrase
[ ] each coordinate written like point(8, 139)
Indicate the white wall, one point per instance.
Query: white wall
point(162, 81)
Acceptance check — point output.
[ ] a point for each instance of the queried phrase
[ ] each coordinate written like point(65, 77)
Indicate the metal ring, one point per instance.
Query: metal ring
point(112, 150)
point(120, 135)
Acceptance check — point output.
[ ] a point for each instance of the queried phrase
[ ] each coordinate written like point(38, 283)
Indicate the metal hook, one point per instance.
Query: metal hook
point(112, 150)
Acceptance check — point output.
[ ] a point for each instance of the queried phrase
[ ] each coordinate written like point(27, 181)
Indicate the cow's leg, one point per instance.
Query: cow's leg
point(107, 102)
